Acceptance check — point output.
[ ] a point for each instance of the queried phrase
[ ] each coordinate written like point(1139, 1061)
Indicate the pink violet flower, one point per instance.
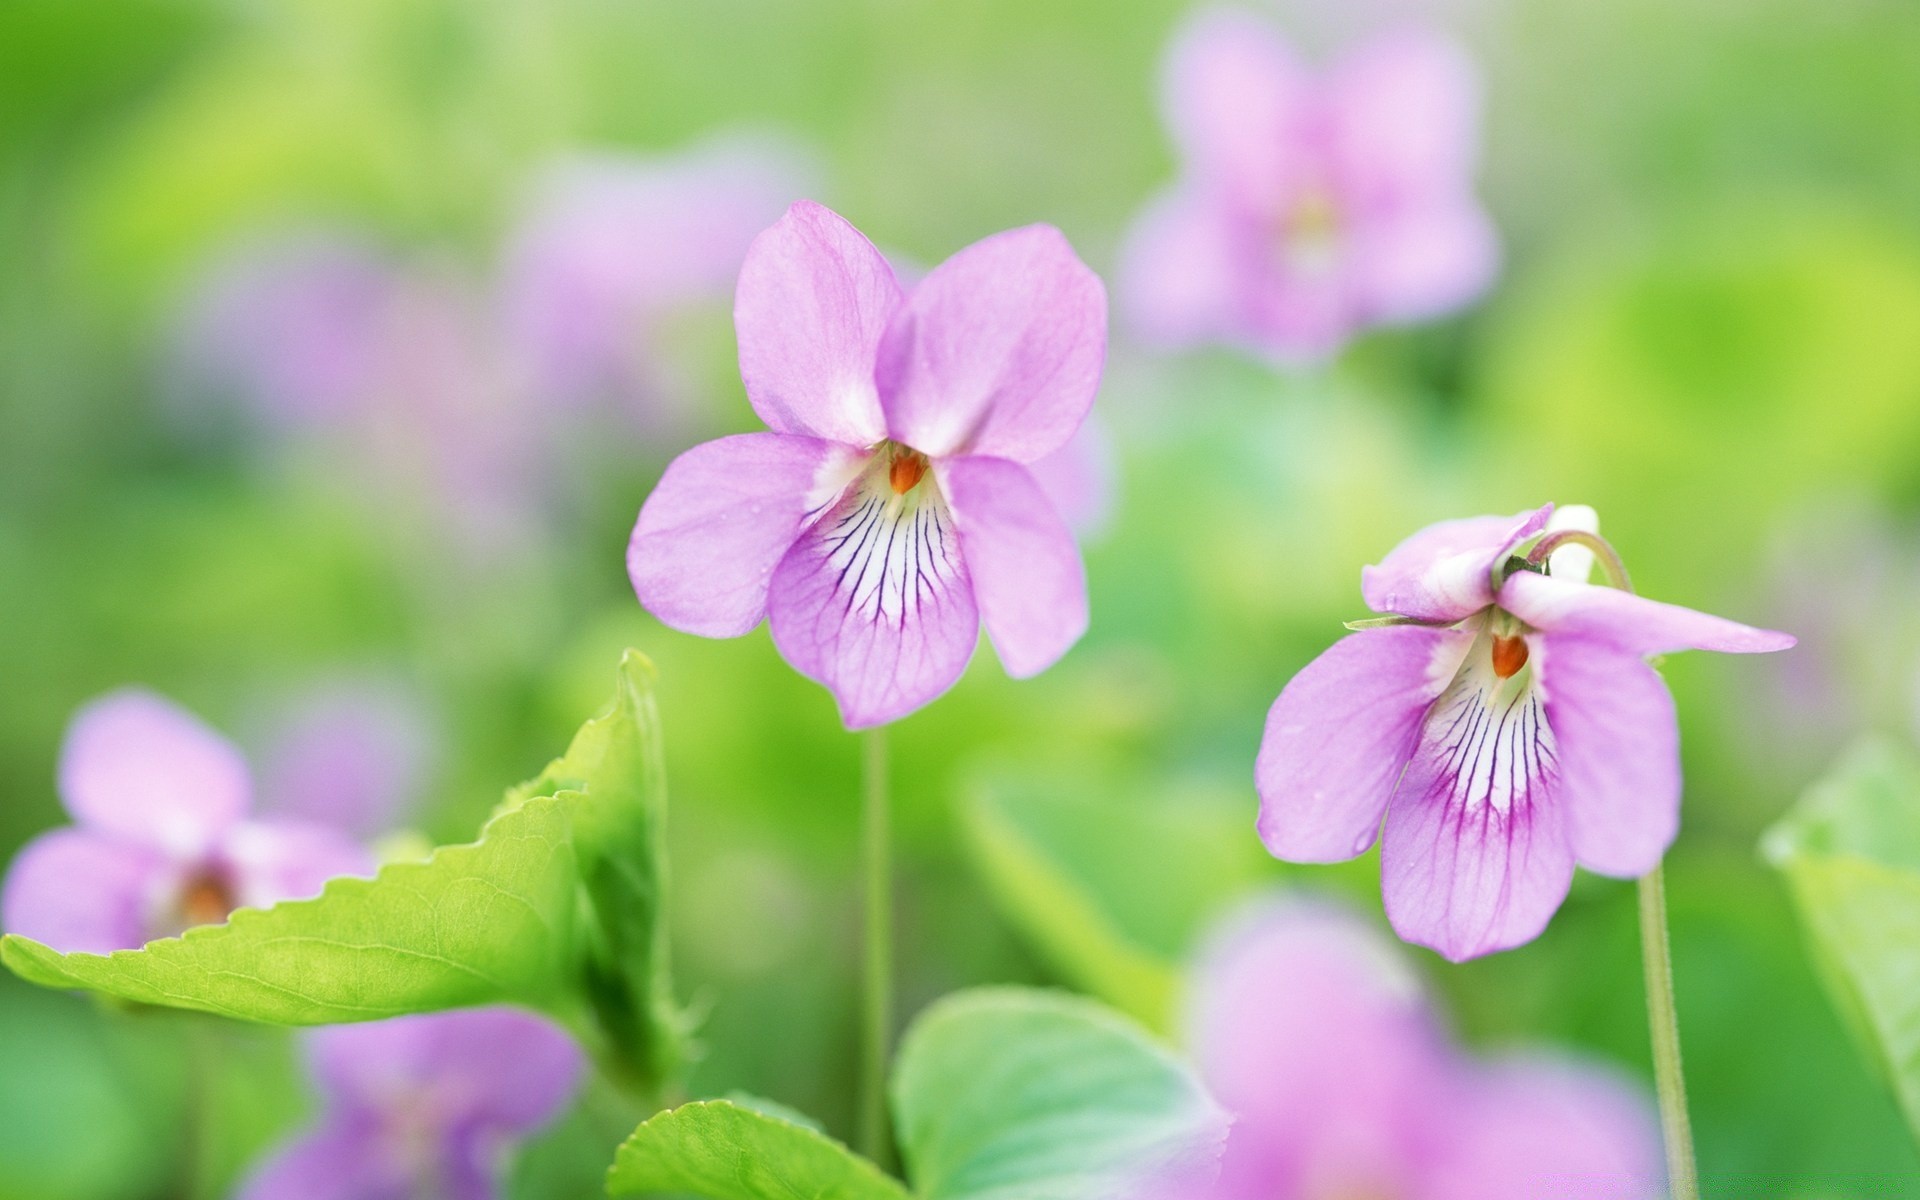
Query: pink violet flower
point(1509, 729)
point(352, 753)
point(1310, 206)
point(1312, 1031)
point(161, 840)
point(891, 511)
point(425, 1105)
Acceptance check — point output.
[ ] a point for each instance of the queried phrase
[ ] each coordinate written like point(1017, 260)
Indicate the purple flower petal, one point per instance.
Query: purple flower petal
point(1339, 737)
point(344, 1158)
point(1424, 263)
point(1183, 271)
point(271, 861)
point(1238, 102)
point(1528, 1127)
point(1619, 745)
point(84, 892)
point(1628, 621)
point(998, 351)
point(1476, 855)
point(350, 754)
point(813, 301)
point(497, 1068)
point(1445, 572)
point(724, 514)
point(1312, 1031)
point(875, 602)
point(1079, 479)
point(1405, 110)
point(140, 766)
point(1028, 580)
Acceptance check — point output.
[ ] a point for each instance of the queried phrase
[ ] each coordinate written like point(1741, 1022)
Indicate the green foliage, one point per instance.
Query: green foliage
point(1110, 887)
point(998, 1094)
point(556, 907)
point(1851, 851)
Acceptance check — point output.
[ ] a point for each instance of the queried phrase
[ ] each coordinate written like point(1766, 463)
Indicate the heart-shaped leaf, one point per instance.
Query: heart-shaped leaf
point(727, 1151)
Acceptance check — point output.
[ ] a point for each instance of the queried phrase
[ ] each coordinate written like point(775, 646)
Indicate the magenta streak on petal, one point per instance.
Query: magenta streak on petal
point(1476, 855)
point(875, 602)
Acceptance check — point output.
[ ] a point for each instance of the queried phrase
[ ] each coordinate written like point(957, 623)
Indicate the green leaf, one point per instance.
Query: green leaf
point(725, 1151)
point(1110, 887)
point(1851, 852)
point(1015, 1094)
point(556, 907)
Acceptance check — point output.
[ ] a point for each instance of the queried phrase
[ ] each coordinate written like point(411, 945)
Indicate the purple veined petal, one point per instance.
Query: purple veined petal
point(271, 861)
point(1079, 478)
point(351, 753)
point(79, 891)
point(1405, 115)
point(998, 351)
point(1340, 735)
point(345, 1157)
point(814, 299)
point(497, 1068)
point(1182, 272)
point(1028, 580)
point(1629, 621)
point(1239, 104)
point(1310, 1028)
point(724, 514)
point(1531, 1125)
point(1477, 855)
point(1445, 572)
point(138, 765)
point(875, 601)
point(1417, 264)
point(1619, 740)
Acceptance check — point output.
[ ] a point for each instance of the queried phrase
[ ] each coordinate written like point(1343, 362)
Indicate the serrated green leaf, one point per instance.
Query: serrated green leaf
point(719, 1149)
point(1016, 1094)
point(1110, 888)
point(555, 907)
point(1851, 852)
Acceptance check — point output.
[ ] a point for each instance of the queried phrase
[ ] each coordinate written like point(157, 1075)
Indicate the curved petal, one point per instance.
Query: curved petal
point(1533, 1126)
point(343, 1159)
point(1425, 263)
point(813, 301)
point(875, 602)
point(1339, 737)
point(1028, 580)
point(1405, 110)
point(1079, 479)
point(140, 766)
point(1445, 572)
point(1311, 1029)
point(1182, 271)
point(1238, 102)
point(1628, 621)
point(998, 351)
point(271, 861)
point(352, 753)
point(722, 516)
point(81, 891)
point(1619, 743)
point(1476, 855)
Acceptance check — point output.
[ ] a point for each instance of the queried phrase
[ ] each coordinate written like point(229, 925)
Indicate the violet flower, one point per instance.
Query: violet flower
point(425, 1105)
point(1312, 1031)
point(1506, 723)
point(161, 839)
point(1310, 206)
point(352, 753)
point(891, 510)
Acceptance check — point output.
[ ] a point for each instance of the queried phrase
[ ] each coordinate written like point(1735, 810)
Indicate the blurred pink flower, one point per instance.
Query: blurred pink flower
point(426, 1105)
point(891, 511)
point(1310, 207)
point(1509, 729)
point(161, 839)
point(610, 246)
point(351, 753)
point(1310, 1029)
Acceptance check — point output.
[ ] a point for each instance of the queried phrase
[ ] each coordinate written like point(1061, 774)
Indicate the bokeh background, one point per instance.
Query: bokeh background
point(1707, 325)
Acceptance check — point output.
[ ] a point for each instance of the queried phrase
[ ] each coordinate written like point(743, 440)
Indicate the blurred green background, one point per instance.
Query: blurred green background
point(1708, 326)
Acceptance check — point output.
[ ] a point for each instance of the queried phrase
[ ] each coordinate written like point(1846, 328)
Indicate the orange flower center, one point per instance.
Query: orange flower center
point(1509, 655)
point(206, 899)
point(908, 469)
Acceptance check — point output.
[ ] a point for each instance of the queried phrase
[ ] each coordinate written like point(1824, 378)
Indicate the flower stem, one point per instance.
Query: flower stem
point(876, 1025)
point(1657, 961)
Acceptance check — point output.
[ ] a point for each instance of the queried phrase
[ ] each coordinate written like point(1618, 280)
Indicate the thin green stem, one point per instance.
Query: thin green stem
point(876, 1025)
point(1671, 1082)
